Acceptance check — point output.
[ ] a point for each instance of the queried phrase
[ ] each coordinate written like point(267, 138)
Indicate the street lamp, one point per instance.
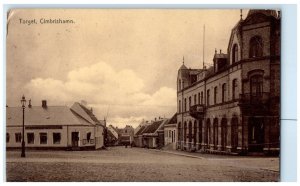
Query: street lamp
point(23, 102)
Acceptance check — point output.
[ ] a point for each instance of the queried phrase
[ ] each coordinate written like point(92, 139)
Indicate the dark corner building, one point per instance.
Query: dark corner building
point(233, 107)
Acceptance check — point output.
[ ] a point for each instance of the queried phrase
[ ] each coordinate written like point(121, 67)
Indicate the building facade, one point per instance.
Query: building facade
point(234, 106)
point(170, 131)
point(54, 127)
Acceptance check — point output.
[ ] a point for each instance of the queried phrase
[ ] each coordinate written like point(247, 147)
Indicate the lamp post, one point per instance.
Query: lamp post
point(23, 102)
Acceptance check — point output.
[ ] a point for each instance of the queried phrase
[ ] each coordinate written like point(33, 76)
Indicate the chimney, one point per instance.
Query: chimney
point(44, 103)
point(220, 51)
point(91, 109)
point(29, 104)
point(154, 119)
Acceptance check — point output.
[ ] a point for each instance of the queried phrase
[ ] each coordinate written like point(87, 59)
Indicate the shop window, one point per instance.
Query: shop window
point(56, 138)
point(7, 137)
point(18, 137)
point(30, 138)
point(43, 138)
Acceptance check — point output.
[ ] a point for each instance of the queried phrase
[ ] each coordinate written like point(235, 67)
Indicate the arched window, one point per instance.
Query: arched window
point(207, 97)
point(215, 95)
point(256, 47)
point(256, 85)
point(234, 89)
point(215, 133)
point(234, 53)
point(179, 132)
point(223, 92)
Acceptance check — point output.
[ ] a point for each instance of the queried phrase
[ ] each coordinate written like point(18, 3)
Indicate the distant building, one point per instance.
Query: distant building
point(170, 131)
point(126, 135)
point(233, 107)
point(138, 133)
point(112, 136)
point(54, 127)
point(153, 134)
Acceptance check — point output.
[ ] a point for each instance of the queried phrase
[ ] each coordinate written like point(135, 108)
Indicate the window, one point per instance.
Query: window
point(195, 99)
point(234, 53)
point(207, 97)
point(43, 138)
point(256, 47)
point(179, 106)
point(202, 97)
point(199, 98)
point(184, 104)
point(215, 95)
point(88, 136)
point(18, 137)
point(30, 138)
point(223, 92)
point(179, 85)
point(7, 137)
point(56, 138)
point(190, 101)
point(256, 85)
point(234, 89)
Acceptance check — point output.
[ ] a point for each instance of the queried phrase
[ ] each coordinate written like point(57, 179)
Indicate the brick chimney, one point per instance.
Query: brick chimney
point(44, 103)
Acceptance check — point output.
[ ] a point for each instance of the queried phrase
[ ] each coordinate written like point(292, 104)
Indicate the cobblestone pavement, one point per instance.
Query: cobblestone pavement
point(137, 164)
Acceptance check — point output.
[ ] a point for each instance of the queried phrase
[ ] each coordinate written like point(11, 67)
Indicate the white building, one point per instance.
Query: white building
point(55, 127)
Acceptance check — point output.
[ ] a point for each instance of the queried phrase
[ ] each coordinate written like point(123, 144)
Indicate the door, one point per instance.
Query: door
point(75, 139)
point(256, 135)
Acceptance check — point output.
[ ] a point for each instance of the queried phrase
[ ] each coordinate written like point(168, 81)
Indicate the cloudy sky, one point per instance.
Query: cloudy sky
point(123, 63)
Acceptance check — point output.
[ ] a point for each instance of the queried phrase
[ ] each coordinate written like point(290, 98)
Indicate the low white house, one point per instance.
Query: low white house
point(170, 132)
point(55, 127)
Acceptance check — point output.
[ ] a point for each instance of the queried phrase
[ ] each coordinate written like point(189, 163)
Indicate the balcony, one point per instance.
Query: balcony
point(255, 103)
point(197, 111)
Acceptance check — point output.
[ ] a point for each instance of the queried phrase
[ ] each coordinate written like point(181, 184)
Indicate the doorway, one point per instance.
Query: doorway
point(256, 134)
point(75, 139)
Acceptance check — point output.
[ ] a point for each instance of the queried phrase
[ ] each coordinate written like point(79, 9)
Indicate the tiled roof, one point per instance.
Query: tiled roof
point(153, 127)
point(37, 115)
point(141, 129)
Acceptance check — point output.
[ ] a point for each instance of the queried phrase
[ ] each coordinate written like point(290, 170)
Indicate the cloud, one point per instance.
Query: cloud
point(103, 87)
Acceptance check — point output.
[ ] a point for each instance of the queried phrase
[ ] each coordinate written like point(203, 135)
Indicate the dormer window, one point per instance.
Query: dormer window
point(256, 47)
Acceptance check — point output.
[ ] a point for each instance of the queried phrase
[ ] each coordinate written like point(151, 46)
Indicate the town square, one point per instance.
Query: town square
point(144, 95)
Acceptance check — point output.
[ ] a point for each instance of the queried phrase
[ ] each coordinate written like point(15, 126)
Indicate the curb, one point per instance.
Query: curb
point(179, 154)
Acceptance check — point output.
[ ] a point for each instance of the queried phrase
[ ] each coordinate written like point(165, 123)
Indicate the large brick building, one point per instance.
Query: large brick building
point(234, 106)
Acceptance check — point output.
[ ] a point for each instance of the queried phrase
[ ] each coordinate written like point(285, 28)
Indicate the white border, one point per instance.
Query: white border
point(289, 57)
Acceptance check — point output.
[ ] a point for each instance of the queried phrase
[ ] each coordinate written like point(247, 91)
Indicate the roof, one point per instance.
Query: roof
point(141, 129)
point(78, 109)
point(37, 115)
point(220, 55)
point(156, 125)
point(153, 127)
point(262, 11)
point(173, 119)
point(183, 67)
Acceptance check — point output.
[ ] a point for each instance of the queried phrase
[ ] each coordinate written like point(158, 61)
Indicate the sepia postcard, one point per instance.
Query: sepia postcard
point(143, 95)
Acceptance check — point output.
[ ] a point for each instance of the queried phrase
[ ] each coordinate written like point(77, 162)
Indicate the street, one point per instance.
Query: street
point(137, 164)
